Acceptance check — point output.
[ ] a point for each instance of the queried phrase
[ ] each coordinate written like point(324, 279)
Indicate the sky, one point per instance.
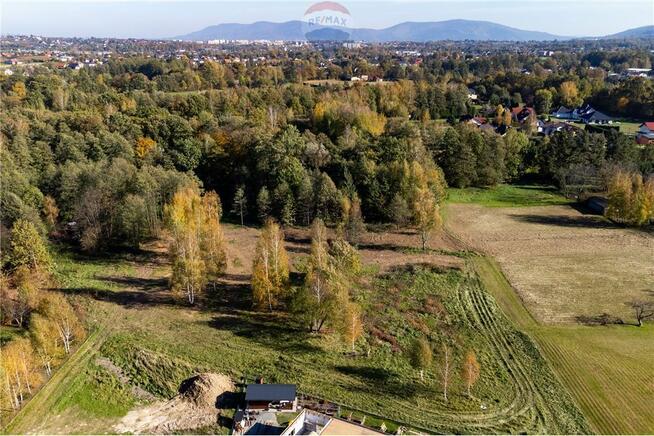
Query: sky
point(168, 18)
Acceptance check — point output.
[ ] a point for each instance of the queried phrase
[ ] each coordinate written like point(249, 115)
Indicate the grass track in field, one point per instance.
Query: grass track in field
point(609, 370)
point(37, 412)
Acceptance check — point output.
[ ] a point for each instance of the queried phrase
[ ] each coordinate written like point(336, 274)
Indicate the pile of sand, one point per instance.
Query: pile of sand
point(196, 405)
point(204, 389)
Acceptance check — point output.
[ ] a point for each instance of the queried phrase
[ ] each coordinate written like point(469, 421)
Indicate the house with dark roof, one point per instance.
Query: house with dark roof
point(522, 114)
point(596, 117)
point(472, 94)
point(548, 129)
point(477, 121)
point(264, 396)
point(582, 111)
point(563, 112)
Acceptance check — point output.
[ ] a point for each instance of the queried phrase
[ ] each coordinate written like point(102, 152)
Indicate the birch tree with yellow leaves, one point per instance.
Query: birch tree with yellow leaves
point(270, 268)
point(197, 246)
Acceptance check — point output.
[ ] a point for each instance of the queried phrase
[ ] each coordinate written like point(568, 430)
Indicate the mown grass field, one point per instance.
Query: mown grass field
point(627, 127)
point(157, 342)
point(507, 196)
point(608, 369)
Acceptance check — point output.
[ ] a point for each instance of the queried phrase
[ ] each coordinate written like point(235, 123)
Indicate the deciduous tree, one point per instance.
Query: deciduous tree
point(144, 146)
point(324, 293)
point(426, 214)
point(352, 324)
point(60, 313)
point(470, 370)
point(50, 212)
point(46, 339)
point(446, 369)
point(28, 248)
point(351, 220)
point(270, 269)
point(263, 205)
point(197, 247)
point(643, 310)
point(420, 356)
point(239, 206)
point(212, 239)
point(20, 367)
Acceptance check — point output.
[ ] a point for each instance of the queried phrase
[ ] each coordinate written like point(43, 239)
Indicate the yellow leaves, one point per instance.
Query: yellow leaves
point(569, 93)
point(622, 103)
point(630, 199)
point(28, 247)
point(425, 187)
point(197, 249)
point(319, 111)
point(353, 325)
point(21, 369)
point(18, 90)
point(69, 328)
point(371, 122)
point(319, 247)
point(270, 268)
point(221, 137)
point(127, 104)
point(427, 215)
point(336, 114)
point(470, 370)
point(212, 239)
point(50, 212)
point(144, 146)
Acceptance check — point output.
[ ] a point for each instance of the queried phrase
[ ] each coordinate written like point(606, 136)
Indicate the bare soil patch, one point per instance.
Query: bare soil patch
point(197, 405)
point(565, 265)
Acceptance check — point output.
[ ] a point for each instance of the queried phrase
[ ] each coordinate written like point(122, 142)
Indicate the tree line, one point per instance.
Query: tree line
point(47, 327)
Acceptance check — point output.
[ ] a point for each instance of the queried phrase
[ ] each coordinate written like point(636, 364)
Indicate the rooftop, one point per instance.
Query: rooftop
point(270, 392)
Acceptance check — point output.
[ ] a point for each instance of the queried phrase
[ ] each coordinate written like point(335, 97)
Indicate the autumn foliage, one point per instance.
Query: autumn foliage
point(270, 269)
point(630, 198)
point(197, 247)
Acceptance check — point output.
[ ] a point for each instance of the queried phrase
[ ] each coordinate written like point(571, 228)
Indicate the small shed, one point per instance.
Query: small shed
point(597, 205)
point(271, 396)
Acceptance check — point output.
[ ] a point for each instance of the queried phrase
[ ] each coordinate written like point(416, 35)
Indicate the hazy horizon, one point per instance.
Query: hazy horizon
point(163, 19)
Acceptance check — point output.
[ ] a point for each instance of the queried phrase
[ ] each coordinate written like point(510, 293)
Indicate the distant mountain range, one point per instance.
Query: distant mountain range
point(453, 30)
point(638, 32)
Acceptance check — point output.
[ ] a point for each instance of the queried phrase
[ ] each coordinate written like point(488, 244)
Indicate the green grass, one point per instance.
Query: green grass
point(607, 369)
point(8, 333)
point(159, 345)
point(285, 417)
point(508, 196)
point(96, 392)
point(627, 127)
point(46, 407)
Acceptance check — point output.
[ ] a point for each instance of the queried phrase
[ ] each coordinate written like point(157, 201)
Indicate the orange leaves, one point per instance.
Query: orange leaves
point(143, 147)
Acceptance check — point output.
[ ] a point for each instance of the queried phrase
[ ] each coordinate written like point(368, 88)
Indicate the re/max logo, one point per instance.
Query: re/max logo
point(328, 20)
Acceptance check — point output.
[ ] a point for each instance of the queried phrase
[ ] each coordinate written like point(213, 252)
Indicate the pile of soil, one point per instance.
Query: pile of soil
point(206, 390)
point(196, 405)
